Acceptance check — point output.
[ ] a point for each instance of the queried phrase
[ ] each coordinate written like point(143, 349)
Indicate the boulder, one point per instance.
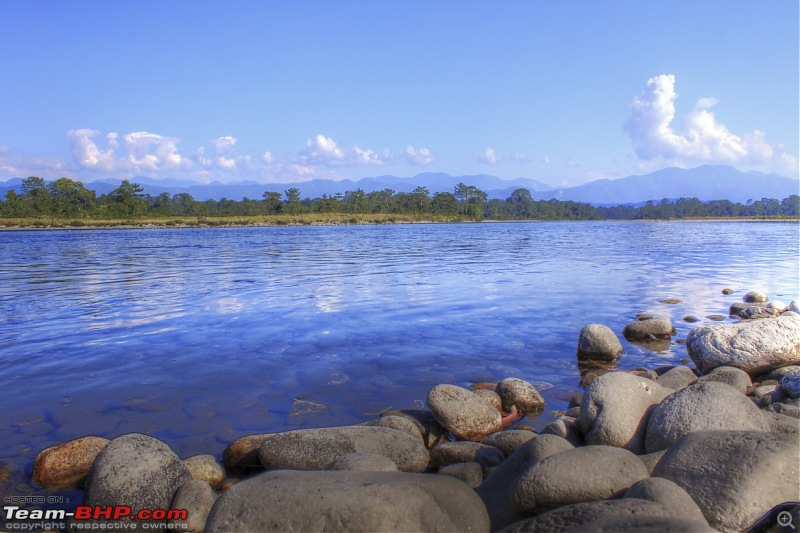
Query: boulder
point(464, 451)
point(643, 330)
point(597, 341)
point(735, 377)
point(314, 449)
point(735, 477)
point(753, 346)
point(463, 413)
point(616, 408)
point(579, 475)
point(650, 460)
point(205, 468)
point(243, 452)
point(755, 297)
point(677, 377)
point(567, 428)
point(197, 498)
point(432, 431)
point(641, 524)
point(703, 405)
point(470, 473)
point(519, 393)
point(290, 500)
point(398, 422)
point(790, 383)
point(67, 463)
point(509, 441)
point(668, 493)
point(369, 462)
point(737, 308)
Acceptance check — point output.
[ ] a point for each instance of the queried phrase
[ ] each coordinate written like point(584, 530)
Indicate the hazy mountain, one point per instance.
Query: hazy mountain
point(706, 183)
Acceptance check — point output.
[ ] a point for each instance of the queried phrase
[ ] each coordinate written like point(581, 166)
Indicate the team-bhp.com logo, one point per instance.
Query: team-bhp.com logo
point(94, 517)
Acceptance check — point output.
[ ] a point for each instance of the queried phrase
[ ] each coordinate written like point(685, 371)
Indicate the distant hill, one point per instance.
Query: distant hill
point(706, 182)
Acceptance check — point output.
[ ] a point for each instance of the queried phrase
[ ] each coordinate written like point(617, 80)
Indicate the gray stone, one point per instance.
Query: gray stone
point(656, 327)
point(703, 405)
point(735, 477)
point(616, 408)
point(597, 341)
point(737, 308)
point(641, 524)
point(519, 393)
point(782, 423)
point(753, 346)
point(205, 468)
point(464, 414)
point(432, 431)
point(677, 377)
point(566, 428)
point(579, 475)
point(490, 396)
point(298, 501)
point(509, 441)
point(755, 297)
point(790, 383)
point(197, 498)
point(448, 453)
point(650, 460)
point(668, 493)
point(135, 470)
point(776, 374)
point(494, 490)
point(369, 462)
point(398, 422)
point(470, 473)
point(314, 449)
point(786, 408)
point(243, 452)
point(735, 377)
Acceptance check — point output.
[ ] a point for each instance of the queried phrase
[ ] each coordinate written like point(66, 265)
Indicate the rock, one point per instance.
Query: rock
point(205, 468)
point(597, 341)
point(66, 464)
point(753, 346)
point(432, 431)
point(782, 423)
point(735, 477)
point(490, 396)
point(465, 415)
point(735, 377)
point(671, 301)
point(778, 307)
point(650, 460)
point(658, 327)
point(790, 383)
point(737, 308)
point(641, 524)
point(671, 495)
point(794, 306)
point(691, 319)
point(727, 290)
point(704, 405)
point(755, 297)
point(756, 312)
point(470, 473)
point(579, 475)
point(677, 378)
point(519, 393)
point(135, 470)
point(314, 449)
point(197, 498)
point(580, 515)
point(716, 318)
point(509, 441)
point(369, 462)
point(494, 490)
point(566, 428)
point(786, 408)
point(616, 408)
point(398, 422)
point(448, 453)
point(243, 452)
point(300, 501)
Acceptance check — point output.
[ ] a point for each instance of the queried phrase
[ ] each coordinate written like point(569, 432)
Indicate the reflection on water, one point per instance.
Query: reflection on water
point(198, 336)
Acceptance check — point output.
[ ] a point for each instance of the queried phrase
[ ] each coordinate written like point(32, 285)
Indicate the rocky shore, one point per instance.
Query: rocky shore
point(664, 449)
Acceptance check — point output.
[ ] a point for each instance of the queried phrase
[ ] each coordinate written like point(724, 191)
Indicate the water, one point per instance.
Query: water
point(200, 336)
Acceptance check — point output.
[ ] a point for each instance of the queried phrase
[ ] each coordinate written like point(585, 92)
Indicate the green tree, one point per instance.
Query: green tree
point(36, 196)
point(272, 203)
point(127, 200)
point(293, 203)
point(444, 203)
point(356, 201)
point(71, 198)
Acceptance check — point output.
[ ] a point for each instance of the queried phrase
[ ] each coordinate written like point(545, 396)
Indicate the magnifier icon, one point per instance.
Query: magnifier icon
point(785, 519)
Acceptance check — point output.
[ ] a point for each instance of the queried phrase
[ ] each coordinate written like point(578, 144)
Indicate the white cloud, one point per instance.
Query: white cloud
point(138, 151)
point(520, 158)
point(547, 161)
point(267, 158)
point(488, 157)
point(419, 157)
point(324, 151)
point(4, 150)
point(702, 138)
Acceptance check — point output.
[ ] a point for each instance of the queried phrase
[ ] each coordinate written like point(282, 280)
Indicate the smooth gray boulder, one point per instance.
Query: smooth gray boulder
point(703, 405)
point(314, 449)
point(616, 408)
point(650, 460)
point(448, 453)
point(677, 378)
point(301, 501)
point(398, 422)
point(755, 297)
point(566, 428)
point(641, 524)
point(432, 431)
point(136, 470)
point(470, 473)
point(519, 393)
point(490, 396)
point(509, 441)
point(735, 477)
point(672, 495)
point(463, 413)
point(735, 377)
point(790, 383)
point(205, 468)
point(369, 462)
point(583, 474)
point(494, 490)
point(197, 498)
point(656, 327)
point(597, 341)
point(754, 346)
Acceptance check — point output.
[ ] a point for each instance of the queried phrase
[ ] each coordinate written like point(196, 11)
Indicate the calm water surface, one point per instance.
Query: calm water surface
point(199, 336)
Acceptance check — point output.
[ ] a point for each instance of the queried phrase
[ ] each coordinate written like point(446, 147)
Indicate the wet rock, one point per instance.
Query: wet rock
point(790, 383)
point(369, 462)
point(580, 475)
point(470, 473)
point(243, 452)
point(205, 468)
point(727, 290)
point(735, 477)
point(735, 377)
point(135, 470)
point(492, 397)
point(737, 308)
point(644, 330)
point(508, 441)
point(753, 346)
point(703, 405)
point(432, 431)
point(691, 319)
point(671, 495)
point(755, 297)
point(355, 501)
point(566, 428)
point(777, 306)
point(314, 449)
point(464, 451)
point(494, 490)
point(67, 463)
point(671, 301)
point(597, 341)
point(400, 423)
point(197, 498)
point(756, 312)
point(677, 378)
point(794, 306)
point(465, 415)
point(304, 410)
point(716, 318)
point(616, 408)
point(519, 393)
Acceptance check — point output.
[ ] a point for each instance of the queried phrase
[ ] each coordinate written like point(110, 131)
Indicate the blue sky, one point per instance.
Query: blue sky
point(559, 91)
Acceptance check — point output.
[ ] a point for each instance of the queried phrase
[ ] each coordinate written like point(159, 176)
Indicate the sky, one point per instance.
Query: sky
point(563, 92)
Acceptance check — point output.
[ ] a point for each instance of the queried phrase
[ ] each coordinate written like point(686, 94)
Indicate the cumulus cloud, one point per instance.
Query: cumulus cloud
point(134, 152)
point(324, 151)
point(419, 157)
point(224, 157)
point(702, 138)
point(488, 157)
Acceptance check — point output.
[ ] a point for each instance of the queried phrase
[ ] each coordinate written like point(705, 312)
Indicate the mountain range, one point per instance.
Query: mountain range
point(707, 182)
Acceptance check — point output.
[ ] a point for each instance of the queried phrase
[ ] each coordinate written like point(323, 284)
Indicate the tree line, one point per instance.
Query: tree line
point(70, 199)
